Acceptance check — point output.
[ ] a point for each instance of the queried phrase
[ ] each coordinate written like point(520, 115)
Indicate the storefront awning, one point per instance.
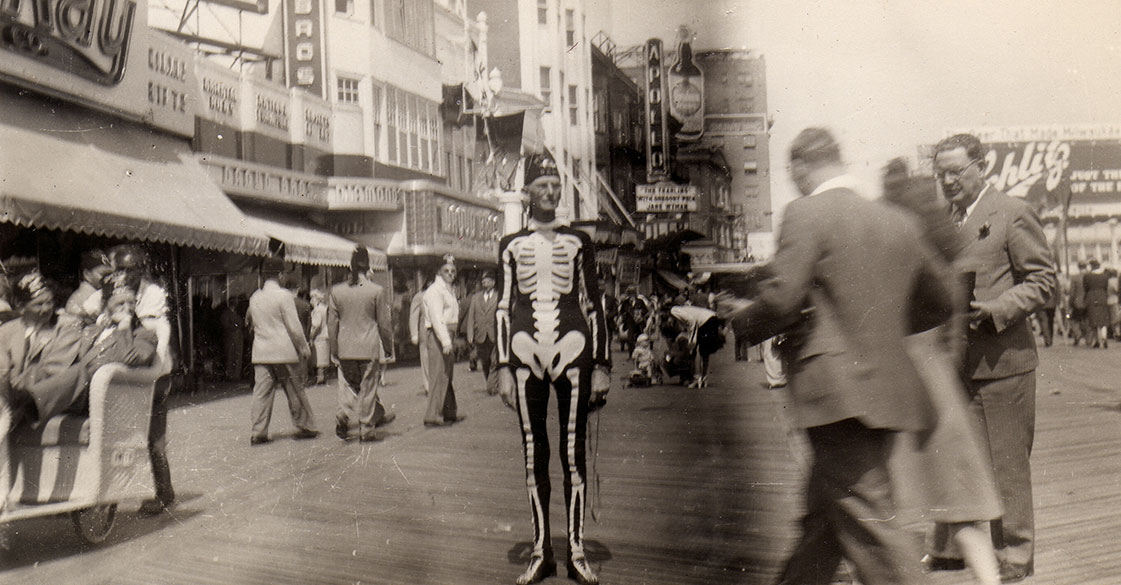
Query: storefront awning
point(156, 192)
point(307, 243)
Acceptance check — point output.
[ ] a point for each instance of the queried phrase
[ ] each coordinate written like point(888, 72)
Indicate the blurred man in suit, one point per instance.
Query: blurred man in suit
point(1078, 324)
point(1015, 276)
point(358, 324)
point(280, 350)
point(481, 326)
point(845, 278)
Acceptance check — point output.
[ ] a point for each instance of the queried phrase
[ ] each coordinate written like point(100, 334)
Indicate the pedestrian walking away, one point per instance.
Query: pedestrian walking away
point(359, 327)
point(279, 351)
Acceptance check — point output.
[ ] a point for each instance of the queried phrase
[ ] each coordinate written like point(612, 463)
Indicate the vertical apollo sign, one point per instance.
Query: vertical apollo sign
point(303, 49)
point(657, 131)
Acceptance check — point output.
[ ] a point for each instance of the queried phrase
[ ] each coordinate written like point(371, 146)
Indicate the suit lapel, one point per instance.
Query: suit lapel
point(986, 207)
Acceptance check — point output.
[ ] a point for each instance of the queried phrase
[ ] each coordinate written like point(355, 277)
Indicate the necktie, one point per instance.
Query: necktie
point(958, 216)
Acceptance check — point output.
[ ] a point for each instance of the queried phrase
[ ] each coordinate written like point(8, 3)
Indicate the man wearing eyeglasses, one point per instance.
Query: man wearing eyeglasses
point(1014, 276)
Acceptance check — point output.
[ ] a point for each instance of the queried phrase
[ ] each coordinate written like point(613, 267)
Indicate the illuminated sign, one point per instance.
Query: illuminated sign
point(657, 129)
point(665, 198)
point(303, 52)
point(86, 38)
point(101, 54)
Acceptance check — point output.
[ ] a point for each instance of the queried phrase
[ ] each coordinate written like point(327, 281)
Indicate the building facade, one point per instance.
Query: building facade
point(541, 47)
point(736, 122)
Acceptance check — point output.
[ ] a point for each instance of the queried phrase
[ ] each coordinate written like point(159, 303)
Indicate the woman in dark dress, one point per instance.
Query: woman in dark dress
point(1096, 284)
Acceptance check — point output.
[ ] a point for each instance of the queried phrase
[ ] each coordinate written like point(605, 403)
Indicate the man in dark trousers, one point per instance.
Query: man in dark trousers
point(846, 276)
point(481, 328)
point(358, 324)
point(550, 341)
point(1015, 276)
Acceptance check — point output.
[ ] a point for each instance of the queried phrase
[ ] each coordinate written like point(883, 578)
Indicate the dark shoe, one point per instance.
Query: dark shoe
point(368, 437)
point(387, 418)
point(154, 506)
point(581, 572)
point(342, 430)
point(304, 434)
point(254, 441)
point(436, 423)
point(931, 563)
point(539, 569)
point(457, 418)
point(1010, 573)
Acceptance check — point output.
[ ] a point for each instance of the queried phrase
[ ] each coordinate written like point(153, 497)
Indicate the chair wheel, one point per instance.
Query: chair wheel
point(94, 523)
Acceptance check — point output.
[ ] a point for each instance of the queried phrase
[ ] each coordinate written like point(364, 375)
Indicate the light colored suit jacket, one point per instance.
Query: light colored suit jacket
point(278, 337)
point(358, 320)
point(481, 324)
point(44, 371)
point(864, 270)
point(1006, 248)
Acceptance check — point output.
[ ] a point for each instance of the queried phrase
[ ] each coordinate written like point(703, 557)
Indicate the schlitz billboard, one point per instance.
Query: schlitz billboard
point(1051, 165)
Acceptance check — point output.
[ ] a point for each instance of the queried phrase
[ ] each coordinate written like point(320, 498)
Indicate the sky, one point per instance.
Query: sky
point(887, 76)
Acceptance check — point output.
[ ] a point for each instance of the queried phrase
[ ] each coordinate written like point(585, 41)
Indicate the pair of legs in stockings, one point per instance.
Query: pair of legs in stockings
point(573, 389)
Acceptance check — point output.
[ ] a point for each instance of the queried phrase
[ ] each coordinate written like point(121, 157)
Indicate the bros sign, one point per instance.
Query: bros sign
point(303, 52)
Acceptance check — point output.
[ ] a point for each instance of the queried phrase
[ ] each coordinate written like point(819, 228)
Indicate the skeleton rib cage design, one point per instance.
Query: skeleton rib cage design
point(542, 320)
point(551, 332)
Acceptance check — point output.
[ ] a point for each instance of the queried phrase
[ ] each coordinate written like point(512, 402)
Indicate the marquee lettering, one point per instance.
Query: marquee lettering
point(62, 35)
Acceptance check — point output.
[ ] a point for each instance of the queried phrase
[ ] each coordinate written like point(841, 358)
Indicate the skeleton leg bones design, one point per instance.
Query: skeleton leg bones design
point(572, 388)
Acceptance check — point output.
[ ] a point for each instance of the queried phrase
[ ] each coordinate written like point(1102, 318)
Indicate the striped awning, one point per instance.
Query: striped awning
point(150, 189)
point(307, 243)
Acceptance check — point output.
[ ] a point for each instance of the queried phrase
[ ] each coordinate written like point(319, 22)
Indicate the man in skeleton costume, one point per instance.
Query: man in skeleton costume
point(551, 335)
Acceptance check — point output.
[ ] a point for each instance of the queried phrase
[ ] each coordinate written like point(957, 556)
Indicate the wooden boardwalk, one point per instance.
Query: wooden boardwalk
point(695, 487)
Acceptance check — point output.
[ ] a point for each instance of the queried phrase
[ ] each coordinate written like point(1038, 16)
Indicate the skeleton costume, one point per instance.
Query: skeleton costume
point(551, 334)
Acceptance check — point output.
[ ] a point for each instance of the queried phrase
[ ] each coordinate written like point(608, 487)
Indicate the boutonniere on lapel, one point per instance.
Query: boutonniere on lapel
point(984, 231)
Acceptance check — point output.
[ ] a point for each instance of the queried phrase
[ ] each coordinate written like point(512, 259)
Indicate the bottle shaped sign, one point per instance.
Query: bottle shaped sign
point(686, 89)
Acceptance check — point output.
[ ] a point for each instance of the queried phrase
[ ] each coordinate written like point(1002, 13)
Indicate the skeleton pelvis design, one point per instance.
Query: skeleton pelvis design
point(547, 357)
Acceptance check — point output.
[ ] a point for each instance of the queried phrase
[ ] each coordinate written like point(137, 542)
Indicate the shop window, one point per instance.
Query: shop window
point(542, 11)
